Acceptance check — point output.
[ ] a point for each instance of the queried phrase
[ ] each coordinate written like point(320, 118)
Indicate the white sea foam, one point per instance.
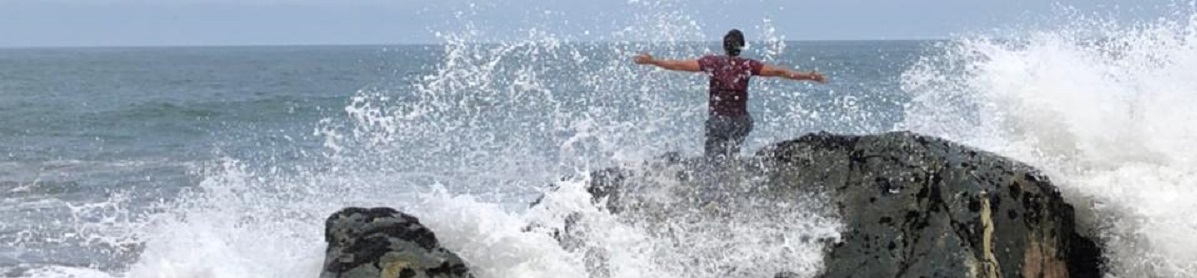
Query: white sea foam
point(1105, 108)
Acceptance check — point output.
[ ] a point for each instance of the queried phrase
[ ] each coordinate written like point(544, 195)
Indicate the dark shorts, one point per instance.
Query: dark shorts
point(725, 135)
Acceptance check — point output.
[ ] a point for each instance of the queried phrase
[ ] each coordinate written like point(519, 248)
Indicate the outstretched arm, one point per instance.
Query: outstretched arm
point(771, 71)
point(678, 65)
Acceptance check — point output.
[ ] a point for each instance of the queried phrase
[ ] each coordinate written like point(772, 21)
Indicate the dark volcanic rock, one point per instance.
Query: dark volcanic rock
point(918, 206)
point(382, 242)
point(912, 206)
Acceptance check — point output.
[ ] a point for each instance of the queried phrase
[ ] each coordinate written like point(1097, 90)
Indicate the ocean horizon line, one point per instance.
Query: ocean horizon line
point(432, 44)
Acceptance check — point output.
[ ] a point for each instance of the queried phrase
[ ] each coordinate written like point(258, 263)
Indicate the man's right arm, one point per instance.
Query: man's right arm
point(771, 71)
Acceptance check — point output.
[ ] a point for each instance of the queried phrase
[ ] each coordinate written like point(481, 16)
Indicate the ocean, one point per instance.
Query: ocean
point(225, 161)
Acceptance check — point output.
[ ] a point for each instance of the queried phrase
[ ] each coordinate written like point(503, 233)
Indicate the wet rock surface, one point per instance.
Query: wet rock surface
point(911, 205)
point(383, 242)
point(918, 206)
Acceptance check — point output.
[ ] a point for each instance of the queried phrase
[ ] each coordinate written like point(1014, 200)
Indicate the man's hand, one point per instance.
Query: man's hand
point(817, 77)
point(644, 59)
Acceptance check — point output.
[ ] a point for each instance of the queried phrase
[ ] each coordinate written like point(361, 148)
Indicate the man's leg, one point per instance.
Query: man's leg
point(740, 128)
point(718, 137)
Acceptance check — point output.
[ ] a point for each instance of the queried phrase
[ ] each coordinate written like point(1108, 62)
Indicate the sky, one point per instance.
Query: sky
point(36, 23)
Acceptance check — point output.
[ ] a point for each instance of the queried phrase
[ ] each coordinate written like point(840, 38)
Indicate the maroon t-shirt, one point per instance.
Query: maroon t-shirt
point(729, 83)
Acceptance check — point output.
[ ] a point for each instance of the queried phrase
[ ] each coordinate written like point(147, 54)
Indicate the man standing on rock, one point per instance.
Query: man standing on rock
point(728, 122)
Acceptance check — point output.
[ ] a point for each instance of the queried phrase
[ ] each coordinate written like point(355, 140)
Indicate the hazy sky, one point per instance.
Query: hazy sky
point(257, 22)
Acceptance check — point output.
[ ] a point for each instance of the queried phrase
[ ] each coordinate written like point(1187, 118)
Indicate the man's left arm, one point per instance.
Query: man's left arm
point(678, 65)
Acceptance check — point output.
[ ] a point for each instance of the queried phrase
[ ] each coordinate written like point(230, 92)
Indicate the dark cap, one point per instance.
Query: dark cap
point(733, 42)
